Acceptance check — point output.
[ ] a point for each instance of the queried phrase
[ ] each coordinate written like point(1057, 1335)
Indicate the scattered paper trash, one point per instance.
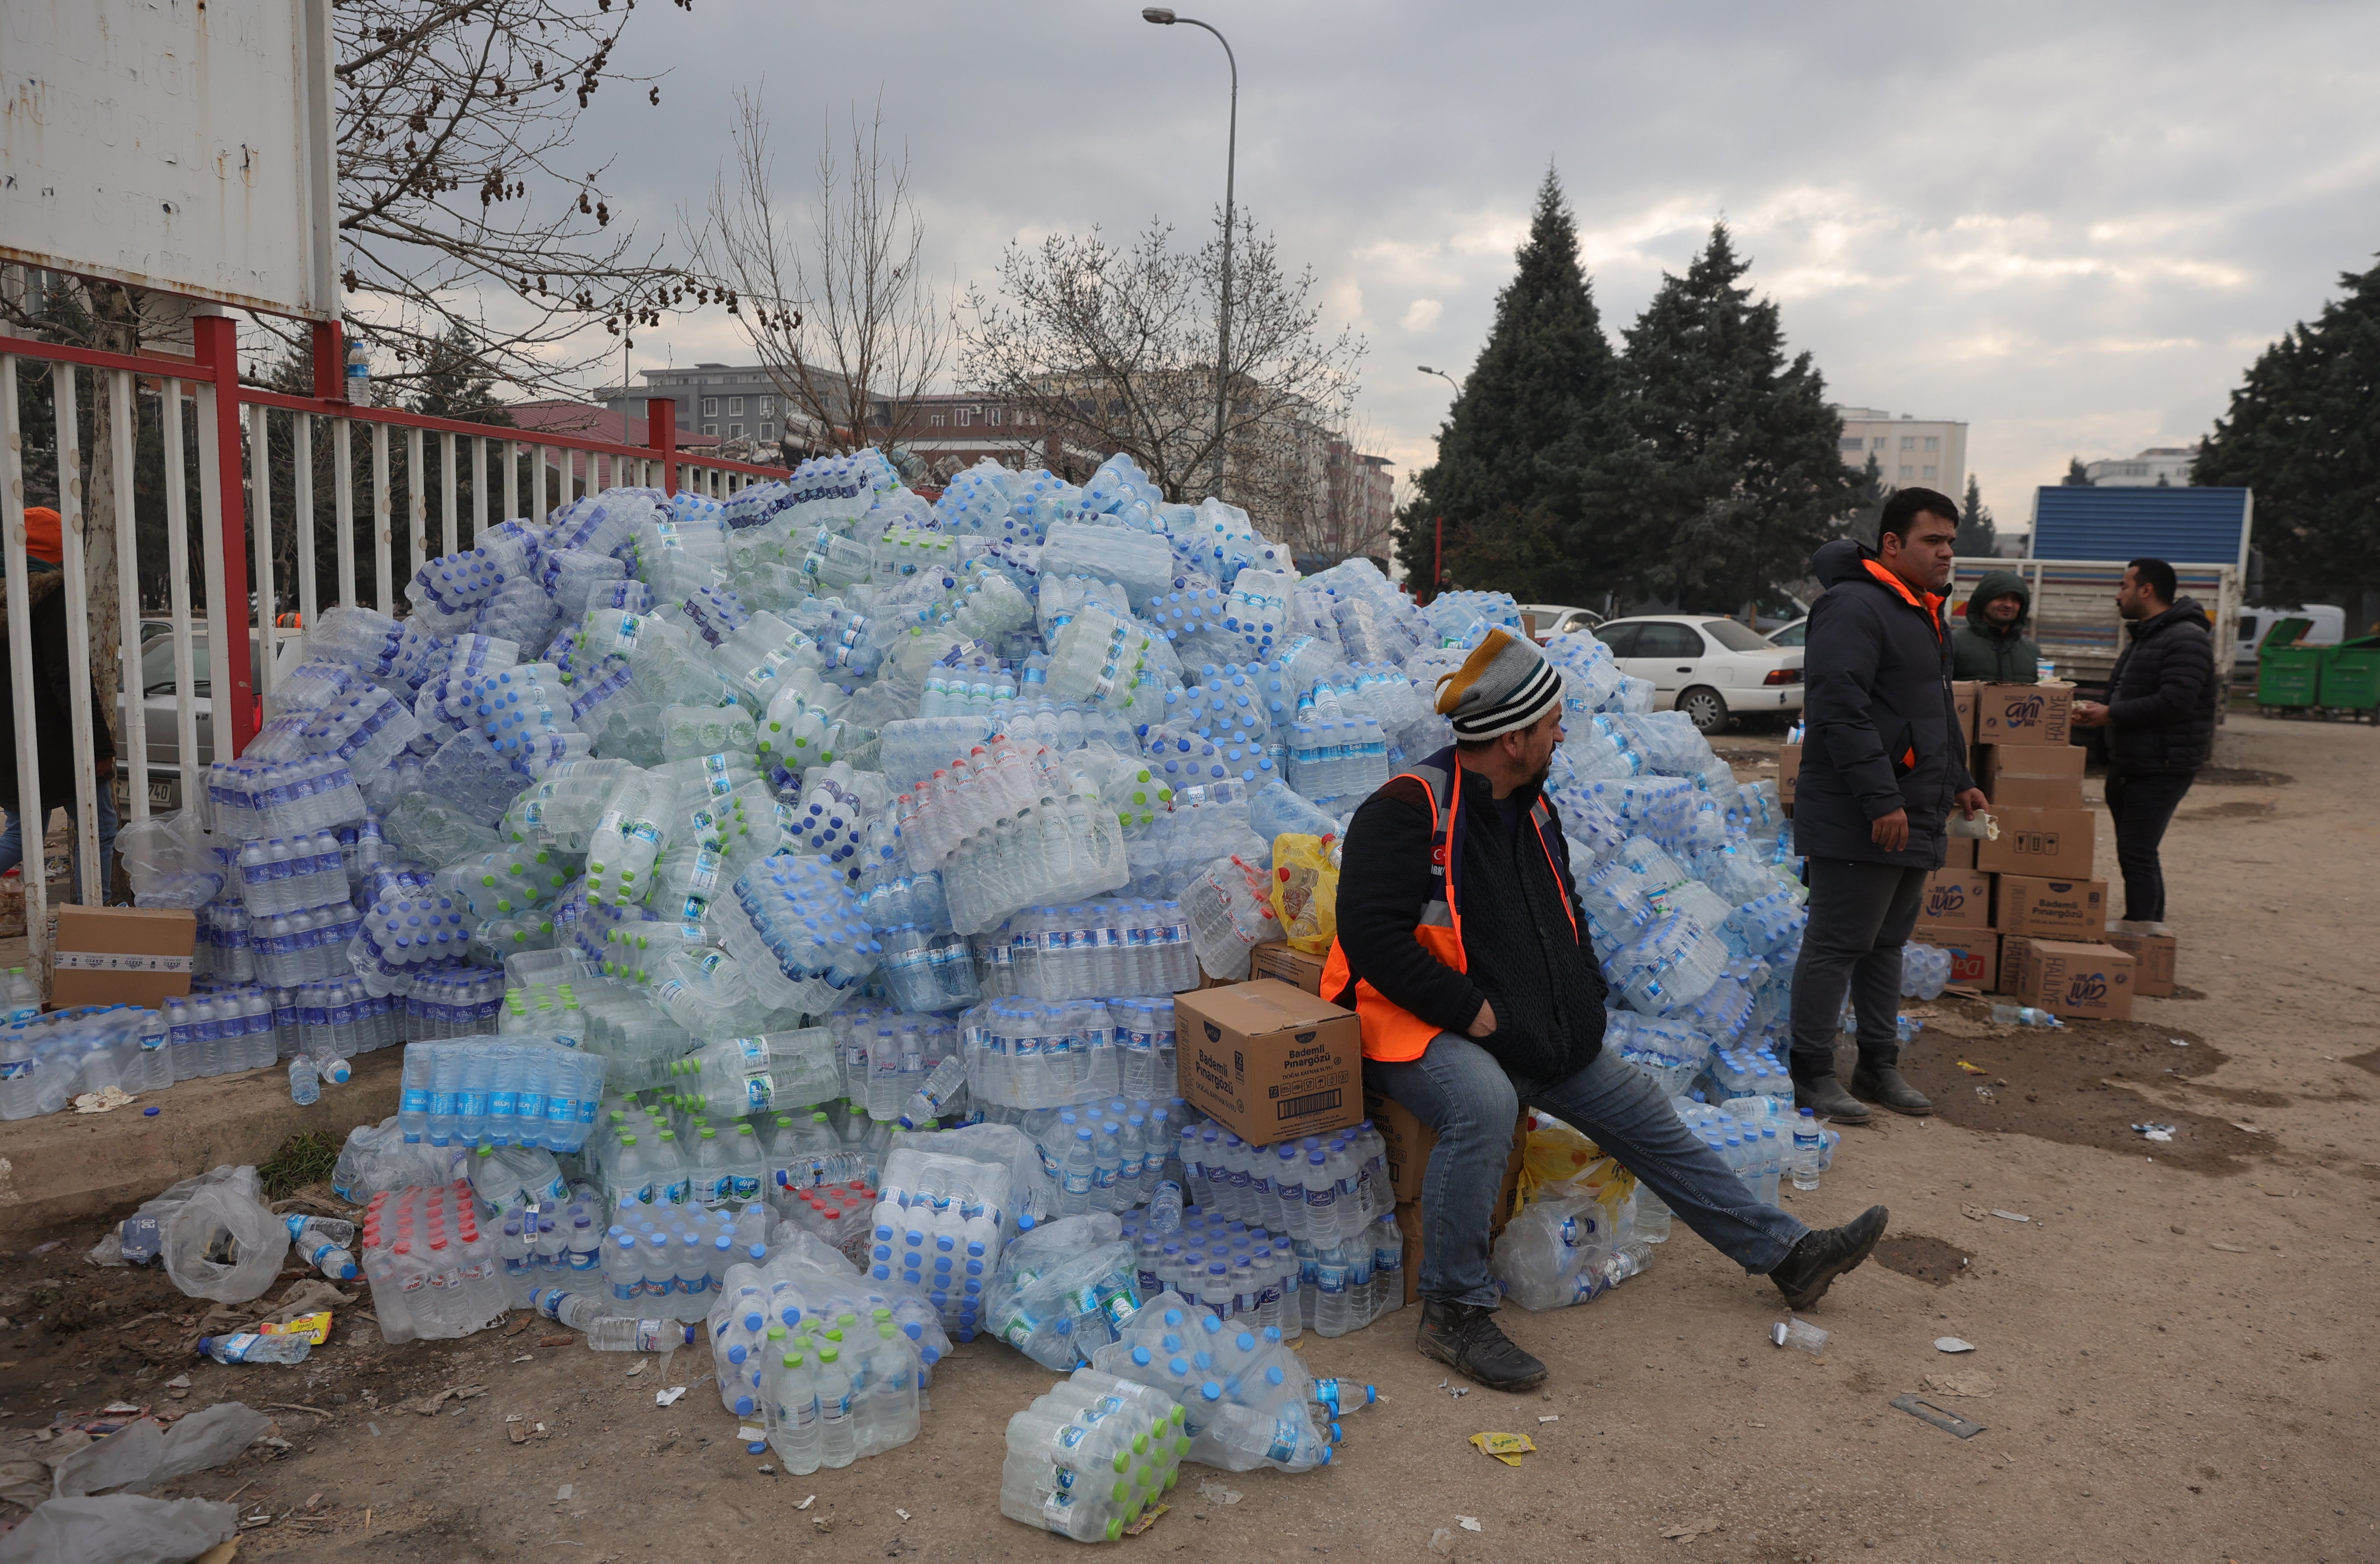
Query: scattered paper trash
point(902, 1513)
point(2178, 1042)
point(1148, 1518)
point(1506, 1447)
point(1468, 1522)
point(1795, 1332)
point(1551, 1417)
point(807, 1502)
point(1973, 1069)
point(562, 1495)
point(1952, 1344)
point(1218, 1493)
point(1956, 1384)
point(104, 1101)
point(2010, 1215)
point(668, 1398)
point(1687, 1531)
point(2153, 1131)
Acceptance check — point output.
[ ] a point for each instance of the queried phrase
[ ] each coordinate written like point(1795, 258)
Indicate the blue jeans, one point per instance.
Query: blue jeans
point(12, 840)
point(1458, 1089)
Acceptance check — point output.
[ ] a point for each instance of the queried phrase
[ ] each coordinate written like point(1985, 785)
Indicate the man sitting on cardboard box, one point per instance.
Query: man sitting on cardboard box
point(1465, 952)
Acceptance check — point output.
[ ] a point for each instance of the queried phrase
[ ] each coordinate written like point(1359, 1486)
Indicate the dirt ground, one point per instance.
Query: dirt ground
point(2173, 1363)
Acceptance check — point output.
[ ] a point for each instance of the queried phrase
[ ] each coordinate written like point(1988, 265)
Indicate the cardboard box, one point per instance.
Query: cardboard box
point(1974, 953)
point(122, 956)
point(1956, 899)
point(1964, 696)
point(2050, 909)
point(1960, 853)
point(1788, 768)
point(1996, 761)
point(2047, 843)
point(1282, 960)
point(2012, 791)
point(2012, 714)
point(1268, 1062)
point(2070, 978)
point(2016, 954)
point(2153, 961)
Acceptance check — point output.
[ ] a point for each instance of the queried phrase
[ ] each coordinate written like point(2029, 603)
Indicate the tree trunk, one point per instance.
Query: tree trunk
point(116, 319)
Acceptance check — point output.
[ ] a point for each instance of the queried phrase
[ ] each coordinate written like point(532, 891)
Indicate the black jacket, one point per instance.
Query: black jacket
point(2161, 697)
point(1524, 956)
point(1882, 727)
point(53, 700)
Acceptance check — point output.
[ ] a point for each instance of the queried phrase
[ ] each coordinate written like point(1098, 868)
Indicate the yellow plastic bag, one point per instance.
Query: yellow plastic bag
point(1559, 1155)
point(1305, 890)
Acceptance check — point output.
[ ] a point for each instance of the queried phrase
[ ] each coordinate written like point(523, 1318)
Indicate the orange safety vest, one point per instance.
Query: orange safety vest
point(1390, 1031)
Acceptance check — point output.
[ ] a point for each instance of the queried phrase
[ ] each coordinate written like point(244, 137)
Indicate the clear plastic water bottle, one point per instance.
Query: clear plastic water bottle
point(2024, 1015)
point(1807, 1148)
point(305, 1085)
point(249, 1347)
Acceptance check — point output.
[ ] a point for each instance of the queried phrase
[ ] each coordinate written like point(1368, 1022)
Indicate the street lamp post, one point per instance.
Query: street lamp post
point(1163, 15)
point(1441, 375)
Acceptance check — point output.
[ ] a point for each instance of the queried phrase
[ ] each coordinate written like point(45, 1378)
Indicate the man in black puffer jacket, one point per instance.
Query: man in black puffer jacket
point(1467, 957)
point(2160, 721)
point(1883, 764)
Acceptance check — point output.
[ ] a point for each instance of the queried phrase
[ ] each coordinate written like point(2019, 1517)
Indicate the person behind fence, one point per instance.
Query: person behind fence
point(2159, 717)
point(1466, 954)
point(46, 600)
point(1883, 764)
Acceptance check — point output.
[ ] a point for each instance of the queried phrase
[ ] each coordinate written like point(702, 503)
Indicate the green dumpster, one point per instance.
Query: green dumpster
point(2289, 676)
point(2351, 678)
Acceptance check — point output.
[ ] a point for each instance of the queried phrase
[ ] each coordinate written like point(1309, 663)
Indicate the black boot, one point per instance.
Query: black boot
point(1882, 1084)
point(1466, 1336)
point(1805, 1275)
point(1825, 1094)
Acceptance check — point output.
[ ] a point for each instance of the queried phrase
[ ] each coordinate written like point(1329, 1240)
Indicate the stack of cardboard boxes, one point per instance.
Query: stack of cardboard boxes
point(2024, 914)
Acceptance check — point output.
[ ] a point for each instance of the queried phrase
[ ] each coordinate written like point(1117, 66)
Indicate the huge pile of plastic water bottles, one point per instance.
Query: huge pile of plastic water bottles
point(855, 846)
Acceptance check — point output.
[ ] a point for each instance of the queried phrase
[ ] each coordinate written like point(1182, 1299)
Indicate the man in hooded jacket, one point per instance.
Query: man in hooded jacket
point(1883, 763)
point(1992, 645)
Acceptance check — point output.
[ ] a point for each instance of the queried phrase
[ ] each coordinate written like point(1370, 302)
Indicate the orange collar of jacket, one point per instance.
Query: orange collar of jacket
point(1931, 604)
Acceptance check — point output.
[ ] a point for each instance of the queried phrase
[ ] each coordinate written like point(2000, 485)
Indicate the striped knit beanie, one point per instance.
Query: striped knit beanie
point(1504, 685)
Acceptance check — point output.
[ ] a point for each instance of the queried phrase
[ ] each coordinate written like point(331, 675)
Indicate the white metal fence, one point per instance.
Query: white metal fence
point(218, 461)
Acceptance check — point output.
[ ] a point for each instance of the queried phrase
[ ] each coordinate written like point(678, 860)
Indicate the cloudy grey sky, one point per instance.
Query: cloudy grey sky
point(2070, 225)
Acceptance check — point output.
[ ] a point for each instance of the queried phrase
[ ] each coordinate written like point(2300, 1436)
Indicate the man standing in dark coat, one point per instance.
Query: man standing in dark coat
point(1883, 763)
point(2160, 721)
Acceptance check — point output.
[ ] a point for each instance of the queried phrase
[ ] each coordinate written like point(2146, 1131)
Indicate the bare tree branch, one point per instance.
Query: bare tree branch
point(1113, 348)
point(457, 211)
point(836, 309)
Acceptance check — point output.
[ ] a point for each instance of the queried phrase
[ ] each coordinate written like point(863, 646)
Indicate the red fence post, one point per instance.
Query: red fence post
point(217, 341)
point(330, 361)
point(661, 426)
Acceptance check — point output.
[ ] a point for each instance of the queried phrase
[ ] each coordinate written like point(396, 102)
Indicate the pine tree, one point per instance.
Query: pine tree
point(2305, 433)
point(1531, 419)
point(1868, 495)
point(1730, 472)
point(2076, 476)
point(1977, 538)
